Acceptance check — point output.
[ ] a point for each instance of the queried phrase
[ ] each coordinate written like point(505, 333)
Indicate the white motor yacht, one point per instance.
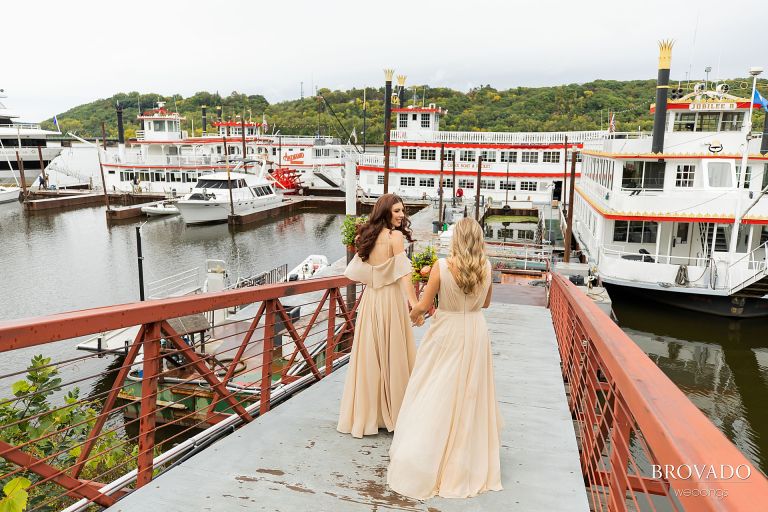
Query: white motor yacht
point(26, 142)
point(219, 194)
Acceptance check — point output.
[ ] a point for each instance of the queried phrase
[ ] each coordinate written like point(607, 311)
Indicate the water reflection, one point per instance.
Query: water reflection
point(721, 364)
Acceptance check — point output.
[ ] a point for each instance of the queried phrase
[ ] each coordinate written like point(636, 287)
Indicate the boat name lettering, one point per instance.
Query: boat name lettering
point(293, 157)
point(712, 106)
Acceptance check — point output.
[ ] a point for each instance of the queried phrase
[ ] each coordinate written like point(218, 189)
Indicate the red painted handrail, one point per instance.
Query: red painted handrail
point(28, 332)
point(157, 338)
point(624, 403)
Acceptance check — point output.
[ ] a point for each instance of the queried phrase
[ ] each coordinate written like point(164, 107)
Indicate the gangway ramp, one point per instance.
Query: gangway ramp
point(294, 459)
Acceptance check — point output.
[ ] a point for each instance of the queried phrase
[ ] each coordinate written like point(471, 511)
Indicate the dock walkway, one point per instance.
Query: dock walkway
point(294, 459)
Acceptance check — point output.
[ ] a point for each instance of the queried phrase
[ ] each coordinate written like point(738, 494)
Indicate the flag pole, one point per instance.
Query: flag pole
point(739, 215)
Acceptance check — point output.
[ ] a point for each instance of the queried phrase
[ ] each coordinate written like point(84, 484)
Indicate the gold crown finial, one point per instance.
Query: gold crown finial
point(401, 80)
point(665, 53)
point(388, 74)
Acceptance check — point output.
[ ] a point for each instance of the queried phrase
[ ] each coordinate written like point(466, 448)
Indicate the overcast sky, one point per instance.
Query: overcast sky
point(59, 54)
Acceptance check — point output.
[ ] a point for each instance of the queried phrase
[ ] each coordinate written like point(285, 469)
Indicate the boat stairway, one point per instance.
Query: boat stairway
point(321, 175)
point(756, 289)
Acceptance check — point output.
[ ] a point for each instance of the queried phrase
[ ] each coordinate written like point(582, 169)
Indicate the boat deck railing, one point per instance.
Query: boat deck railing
point(178, 284)
point(577, 137)
point(748, 269)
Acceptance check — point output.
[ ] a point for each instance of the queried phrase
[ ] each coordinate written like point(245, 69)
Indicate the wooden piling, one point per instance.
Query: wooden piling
point(22, 178)
point(42, 166)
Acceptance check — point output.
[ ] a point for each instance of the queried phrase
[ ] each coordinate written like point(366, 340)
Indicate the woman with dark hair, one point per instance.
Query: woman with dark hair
point(382, 351)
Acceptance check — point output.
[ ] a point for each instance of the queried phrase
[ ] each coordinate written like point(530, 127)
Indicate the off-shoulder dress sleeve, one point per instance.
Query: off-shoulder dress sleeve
point(379, 275)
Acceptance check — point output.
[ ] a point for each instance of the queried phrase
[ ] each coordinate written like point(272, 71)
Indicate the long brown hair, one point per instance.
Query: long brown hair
point(380, 218)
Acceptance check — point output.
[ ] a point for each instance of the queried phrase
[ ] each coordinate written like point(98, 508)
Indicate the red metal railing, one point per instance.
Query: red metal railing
point(55, 448)
point(643, 444)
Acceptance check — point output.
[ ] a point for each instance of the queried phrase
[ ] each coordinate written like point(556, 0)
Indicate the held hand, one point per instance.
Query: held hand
point(417, 317)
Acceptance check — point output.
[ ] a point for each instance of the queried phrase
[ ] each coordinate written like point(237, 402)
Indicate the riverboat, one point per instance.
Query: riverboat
point(670, 215)
point(164, 157)
point(515, 167)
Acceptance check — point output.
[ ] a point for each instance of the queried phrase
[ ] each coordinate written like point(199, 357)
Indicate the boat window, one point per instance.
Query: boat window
point(684, 122)
point(707, 121)
point(685, 175)
point(211, 184)
point(719, 174)
point(746, 178)
point(643, 175)
point(731, 121)
point(258, 191)
point(635, 231)
point(765, 177)
point(682, 233)
point(159, 126)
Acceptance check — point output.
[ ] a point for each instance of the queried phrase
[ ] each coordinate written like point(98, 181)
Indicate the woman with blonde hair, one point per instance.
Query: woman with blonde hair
point(447, 437)
point(382, 349)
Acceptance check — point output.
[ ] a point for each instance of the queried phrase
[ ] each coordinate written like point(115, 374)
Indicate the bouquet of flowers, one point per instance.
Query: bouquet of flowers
point(422, 264)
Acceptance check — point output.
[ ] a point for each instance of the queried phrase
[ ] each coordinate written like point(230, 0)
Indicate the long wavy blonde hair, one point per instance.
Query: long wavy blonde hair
point(468, 255)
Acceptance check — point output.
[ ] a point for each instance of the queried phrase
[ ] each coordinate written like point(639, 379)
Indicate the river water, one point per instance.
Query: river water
point(719, 363)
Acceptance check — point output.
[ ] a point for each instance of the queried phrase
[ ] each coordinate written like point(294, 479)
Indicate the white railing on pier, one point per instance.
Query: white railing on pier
point(183, 283)
point(496, 137)
point(139, 134)
point(749, 269)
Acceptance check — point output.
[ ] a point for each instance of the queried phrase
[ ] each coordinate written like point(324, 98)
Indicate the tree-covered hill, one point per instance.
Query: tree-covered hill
point(566, 107)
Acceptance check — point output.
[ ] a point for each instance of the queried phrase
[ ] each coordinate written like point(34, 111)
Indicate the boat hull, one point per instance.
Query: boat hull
point(721, 305)
point(159, 211)
point(202, 212)
point(9, 195)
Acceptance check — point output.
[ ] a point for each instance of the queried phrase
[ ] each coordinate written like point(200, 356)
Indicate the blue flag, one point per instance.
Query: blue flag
point(56, 123)
point(760, 100)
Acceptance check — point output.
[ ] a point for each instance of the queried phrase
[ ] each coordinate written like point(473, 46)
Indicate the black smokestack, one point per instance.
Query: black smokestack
point(662, 90)
point(120, 130)
point(205, 117)
point(401, 90)
point(764, 144)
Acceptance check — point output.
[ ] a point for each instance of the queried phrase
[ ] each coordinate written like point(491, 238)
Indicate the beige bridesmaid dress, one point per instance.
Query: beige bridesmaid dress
point(383, 351)
point(447, 437)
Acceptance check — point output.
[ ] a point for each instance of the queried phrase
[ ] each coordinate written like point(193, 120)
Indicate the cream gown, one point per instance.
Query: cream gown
point(383, 352)
point(447, 437)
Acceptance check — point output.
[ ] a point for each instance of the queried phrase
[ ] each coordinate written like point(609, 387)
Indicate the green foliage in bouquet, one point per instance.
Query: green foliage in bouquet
point(422, 264)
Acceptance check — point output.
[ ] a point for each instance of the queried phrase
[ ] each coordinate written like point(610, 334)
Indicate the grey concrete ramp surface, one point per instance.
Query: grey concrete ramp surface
point(293, 459)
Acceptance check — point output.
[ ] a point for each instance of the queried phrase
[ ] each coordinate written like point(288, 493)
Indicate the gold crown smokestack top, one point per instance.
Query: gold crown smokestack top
point(662, 90)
